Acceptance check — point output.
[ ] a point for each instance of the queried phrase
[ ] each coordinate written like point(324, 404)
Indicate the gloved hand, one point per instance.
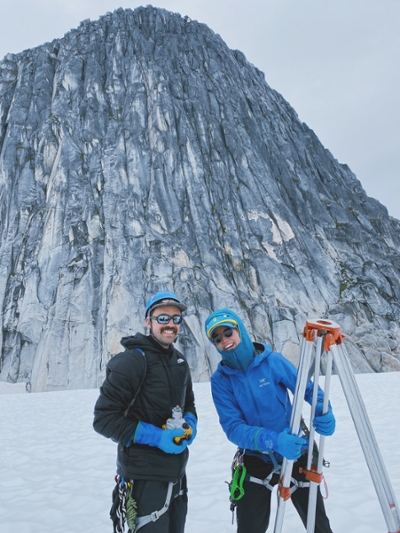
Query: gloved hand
point(286, 444)
point(161, 438)
point(192, 421)
point(324, 424)
point(167, 443)
point(290, 446)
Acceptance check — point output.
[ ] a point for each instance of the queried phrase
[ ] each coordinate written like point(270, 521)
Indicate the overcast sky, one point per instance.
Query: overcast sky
point(337, 62)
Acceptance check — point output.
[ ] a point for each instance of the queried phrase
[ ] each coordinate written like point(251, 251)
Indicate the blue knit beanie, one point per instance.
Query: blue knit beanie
point(242, 356)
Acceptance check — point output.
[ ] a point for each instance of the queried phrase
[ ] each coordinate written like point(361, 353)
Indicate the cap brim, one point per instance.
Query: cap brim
point(169, 303)
point(230, 323)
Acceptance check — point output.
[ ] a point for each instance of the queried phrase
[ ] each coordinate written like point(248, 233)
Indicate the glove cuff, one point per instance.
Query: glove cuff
point(147, 434)
point(190, 419)
point(265, 440)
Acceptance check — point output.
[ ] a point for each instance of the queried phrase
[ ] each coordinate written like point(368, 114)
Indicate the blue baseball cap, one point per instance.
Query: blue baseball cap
point(162, 299)
point(218, 319)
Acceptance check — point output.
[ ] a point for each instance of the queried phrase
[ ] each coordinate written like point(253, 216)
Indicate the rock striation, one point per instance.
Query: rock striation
point(140, 153)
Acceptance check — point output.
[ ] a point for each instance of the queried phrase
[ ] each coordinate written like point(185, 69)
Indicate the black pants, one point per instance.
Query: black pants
point(150, 496)
point(253, 510)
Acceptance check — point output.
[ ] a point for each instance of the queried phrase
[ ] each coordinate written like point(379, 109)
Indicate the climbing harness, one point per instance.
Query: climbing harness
point(124, 508)
point(240, 475)
point(155, 515)
point(276, 468)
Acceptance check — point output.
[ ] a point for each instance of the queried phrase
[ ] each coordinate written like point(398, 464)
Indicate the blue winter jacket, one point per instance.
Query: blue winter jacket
point(255, 399)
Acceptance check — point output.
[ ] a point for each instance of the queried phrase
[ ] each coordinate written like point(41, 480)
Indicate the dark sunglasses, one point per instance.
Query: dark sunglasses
point(165, 319)
point(226, 333)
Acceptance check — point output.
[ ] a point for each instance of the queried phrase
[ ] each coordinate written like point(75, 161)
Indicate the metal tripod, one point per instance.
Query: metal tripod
point(324, 335)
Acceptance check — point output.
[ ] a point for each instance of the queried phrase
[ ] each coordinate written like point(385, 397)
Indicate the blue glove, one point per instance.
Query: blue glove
point(192, 421)
point(324, 424)
point(286, 444)
point(161, 438)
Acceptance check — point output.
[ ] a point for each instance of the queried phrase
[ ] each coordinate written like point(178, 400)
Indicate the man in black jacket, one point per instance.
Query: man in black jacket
point(143, 385)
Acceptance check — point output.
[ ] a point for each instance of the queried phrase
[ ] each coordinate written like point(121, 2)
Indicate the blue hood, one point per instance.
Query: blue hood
point(242, 356)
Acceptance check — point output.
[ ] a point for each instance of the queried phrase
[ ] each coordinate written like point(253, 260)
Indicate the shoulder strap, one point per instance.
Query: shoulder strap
point(140, 386)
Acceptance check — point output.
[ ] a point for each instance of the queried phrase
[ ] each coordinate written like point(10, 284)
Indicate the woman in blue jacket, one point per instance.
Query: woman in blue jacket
point(250, 392)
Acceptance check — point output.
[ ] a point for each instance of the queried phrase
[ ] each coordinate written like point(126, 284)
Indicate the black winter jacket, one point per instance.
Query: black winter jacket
point(158, 379)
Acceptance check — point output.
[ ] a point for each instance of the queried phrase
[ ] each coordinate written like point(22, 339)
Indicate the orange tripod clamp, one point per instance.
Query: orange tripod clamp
point(330, 328)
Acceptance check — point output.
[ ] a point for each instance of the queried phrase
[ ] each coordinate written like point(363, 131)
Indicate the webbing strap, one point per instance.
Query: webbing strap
point(155, 515)
point(266, 481)
point(267, 484)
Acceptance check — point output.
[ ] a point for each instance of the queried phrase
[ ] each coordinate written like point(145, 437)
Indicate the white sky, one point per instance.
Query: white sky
point(56, 473)
point(337, 62)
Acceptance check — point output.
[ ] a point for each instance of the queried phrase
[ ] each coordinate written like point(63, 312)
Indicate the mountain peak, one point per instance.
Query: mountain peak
point(140, 153)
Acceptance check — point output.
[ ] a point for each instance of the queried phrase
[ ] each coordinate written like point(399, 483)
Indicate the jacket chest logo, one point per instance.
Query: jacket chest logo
point(263, 383)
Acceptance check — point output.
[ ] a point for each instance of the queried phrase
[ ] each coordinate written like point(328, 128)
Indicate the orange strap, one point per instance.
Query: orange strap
point(284, 491)
point(312, 475)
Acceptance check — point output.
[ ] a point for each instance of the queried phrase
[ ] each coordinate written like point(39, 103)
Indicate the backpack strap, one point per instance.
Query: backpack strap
point(141, 383)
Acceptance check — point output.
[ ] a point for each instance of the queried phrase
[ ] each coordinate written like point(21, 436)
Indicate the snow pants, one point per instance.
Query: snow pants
point(253, 510)
point(150, 496)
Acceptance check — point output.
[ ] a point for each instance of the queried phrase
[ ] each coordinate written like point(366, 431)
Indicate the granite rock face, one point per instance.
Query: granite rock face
point(140, 153)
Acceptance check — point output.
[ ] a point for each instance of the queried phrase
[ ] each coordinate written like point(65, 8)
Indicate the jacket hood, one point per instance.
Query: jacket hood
point(243, 355)
point(135, 341)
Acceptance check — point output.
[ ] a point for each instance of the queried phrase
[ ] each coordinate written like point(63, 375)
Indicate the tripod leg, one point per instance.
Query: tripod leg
point(295, 420)
point(312, 495)
point(312, 498)
point(367, 439)
point(315, 480)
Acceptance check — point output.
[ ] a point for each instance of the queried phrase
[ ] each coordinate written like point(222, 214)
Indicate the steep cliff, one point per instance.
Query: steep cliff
point(140, 153)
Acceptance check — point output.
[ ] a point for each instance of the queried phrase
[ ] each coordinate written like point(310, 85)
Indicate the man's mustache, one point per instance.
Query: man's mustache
point(169, 328)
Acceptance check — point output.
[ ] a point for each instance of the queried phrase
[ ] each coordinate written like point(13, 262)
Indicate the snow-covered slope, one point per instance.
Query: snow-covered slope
point(56, 473)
